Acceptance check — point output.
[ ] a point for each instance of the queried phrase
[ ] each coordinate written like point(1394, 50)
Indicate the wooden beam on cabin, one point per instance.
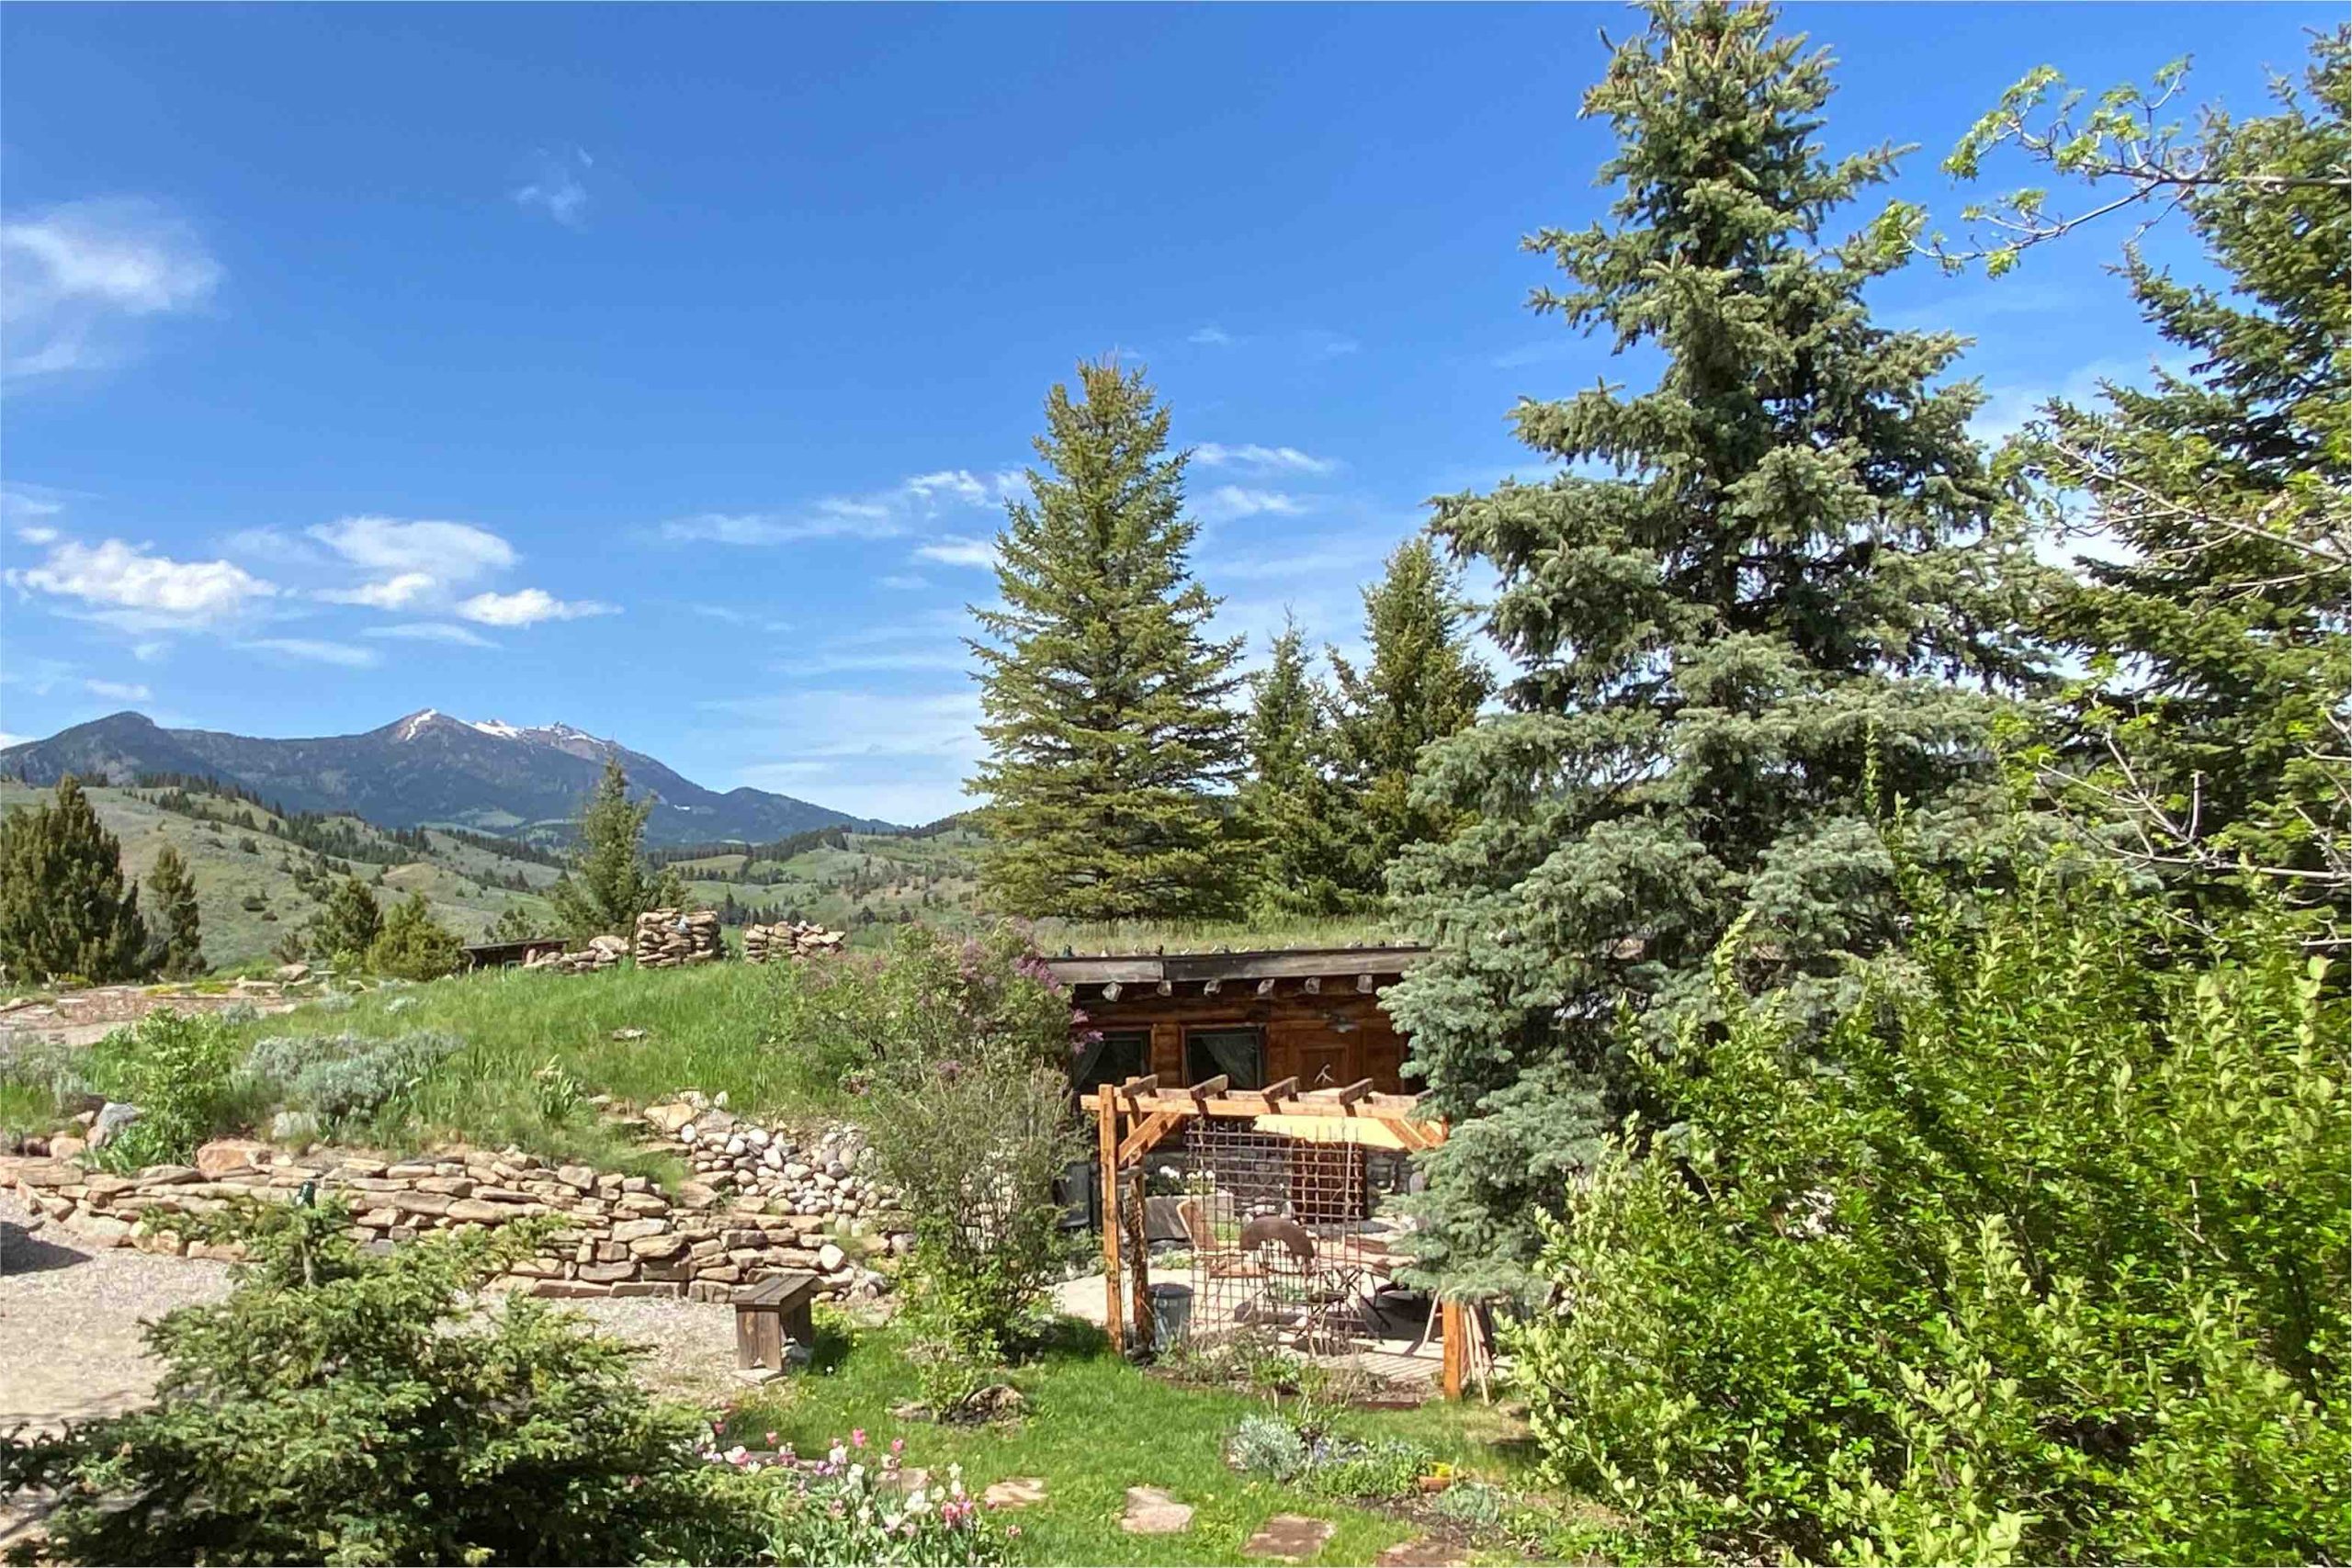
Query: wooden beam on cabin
point(1266, 987)
point(1364, 983)
point(1146, 1134)
point(1346, 1094)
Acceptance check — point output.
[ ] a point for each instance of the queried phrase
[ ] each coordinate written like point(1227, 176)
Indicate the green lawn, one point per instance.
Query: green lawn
point(1097, 1425)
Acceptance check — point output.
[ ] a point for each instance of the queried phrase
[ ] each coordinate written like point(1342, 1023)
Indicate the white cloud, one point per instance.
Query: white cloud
point(80, 274)
point(431, 631)
point(450, 552)
point(877, 515)
point(9, 737)
point(905, 582)
point(120, 577)
point(1227, 503)
point(557, 185)
point(1211, 336)
point(393, 593)
point(312, 650)
point(903, 757)
point(528, 606)
point(37, 534)
point(958, 550)
point(119, 691)
point(1290, 460)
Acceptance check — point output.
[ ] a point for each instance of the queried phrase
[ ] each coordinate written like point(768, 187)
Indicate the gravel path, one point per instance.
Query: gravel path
point(70, 1345)
point(70, 1320)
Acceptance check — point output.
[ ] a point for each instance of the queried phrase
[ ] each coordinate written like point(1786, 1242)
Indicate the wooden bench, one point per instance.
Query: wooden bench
point(770, 1314)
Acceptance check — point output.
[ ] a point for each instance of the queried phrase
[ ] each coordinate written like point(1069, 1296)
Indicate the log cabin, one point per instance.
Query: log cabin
point(1257, 1018)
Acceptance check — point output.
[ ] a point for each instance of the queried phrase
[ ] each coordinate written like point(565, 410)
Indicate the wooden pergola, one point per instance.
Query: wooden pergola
point(1135, 1117)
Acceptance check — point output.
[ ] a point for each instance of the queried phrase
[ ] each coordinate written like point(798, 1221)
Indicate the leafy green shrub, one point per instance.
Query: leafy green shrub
point(965, 1043)
point(2040, 1255)
point(346, 1408)
point(348, 1078)
point(180, 1070)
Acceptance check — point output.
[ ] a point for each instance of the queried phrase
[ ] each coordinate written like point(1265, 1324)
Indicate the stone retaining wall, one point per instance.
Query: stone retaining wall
point(622, 1235)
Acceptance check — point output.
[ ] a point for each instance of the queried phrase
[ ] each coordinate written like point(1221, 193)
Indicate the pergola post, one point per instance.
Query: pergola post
point(1107, 1195)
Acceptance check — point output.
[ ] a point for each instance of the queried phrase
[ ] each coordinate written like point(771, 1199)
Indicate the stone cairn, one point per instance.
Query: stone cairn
point(789, 938)
point(600, 952)
point(778, 1205)
point(666, 939)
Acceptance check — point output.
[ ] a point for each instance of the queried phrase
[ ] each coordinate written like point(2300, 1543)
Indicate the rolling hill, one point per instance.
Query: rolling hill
point(262, 875)
point(427, 770)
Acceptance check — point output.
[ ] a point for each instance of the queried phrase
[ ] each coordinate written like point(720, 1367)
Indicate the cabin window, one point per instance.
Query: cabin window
point(1116, 1055)
point(1238, 1054)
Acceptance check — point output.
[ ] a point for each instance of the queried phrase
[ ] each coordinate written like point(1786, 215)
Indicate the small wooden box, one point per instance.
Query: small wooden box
point(769, 1313)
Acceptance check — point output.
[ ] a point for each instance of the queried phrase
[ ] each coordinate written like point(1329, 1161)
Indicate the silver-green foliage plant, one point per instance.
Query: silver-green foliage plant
point(348, 1078)
point(2043, 1258)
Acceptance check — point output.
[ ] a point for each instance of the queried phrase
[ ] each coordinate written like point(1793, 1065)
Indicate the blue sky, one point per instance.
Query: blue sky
point(661, 370)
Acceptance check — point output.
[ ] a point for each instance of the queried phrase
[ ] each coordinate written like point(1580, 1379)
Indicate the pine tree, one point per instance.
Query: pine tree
point(176, 950)
point(1423, 685)
point(349, 924)
point(66, 906)
point(1723, 647)
point(1286, 804)
point(611, 884)
point(1105, 715)
point(414, 946)
point(2210, 728)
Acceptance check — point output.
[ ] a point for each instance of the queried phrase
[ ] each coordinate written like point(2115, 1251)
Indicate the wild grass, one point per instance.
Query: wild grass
point(1083, 937)
point(1097, 1425)
point(536, 1049)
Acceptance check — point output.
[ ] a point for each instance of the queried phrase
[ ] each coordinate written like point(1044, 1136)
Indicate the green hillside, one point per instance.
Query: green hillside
point(254, 882)
point(260, 876)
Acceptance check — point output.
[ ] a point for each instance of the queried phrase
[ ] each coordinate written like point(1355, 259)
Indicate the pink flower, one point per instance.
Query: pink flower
point(1012, 1532)
point(771, 1440)
point(857, 1437)
point(898, 1445)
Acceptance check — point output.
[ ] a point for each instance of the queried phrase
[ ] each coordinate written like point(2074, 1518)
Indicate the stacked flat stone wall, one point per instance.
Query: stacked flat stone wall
point(620, 1234)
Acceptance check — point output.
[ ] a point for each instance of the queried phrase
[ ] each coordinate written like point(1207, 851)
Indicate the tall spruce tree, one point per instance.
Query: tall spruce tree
point(1106, 703)
point(1769, 604)
point(176, 950)
point(2210, 727)
point(610, 885)
point(1287, 804)
point(1422, 683)
point(66, 906)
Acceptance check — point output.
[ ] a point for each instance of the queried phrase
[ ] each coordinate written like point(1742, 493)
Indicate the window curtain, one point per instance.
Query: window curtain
point(1238, 1054)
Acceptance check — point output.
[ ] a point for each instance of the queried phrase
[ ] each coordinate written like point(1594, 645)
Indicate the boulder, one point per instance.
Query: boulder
point(113, 1117)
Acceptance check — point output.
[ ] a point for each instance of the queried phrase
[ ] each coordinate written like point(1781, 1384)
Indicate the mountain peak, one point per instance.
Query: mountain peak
point(427, 767)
